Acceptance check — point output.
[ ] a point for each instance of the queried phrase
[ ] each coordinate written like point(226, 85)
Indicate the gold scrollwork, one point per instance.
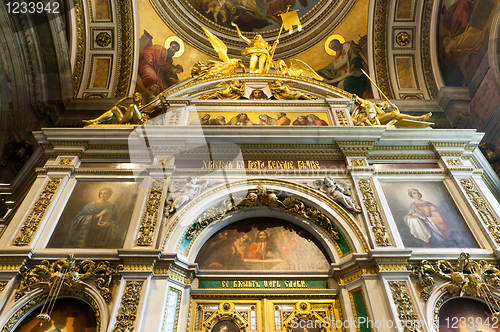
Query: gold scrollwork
point(403, 38)
point(44, 275)
point(37, 212)
point(65, 161)
point(128, 308)
point(377, 225)
point(126, 51)
point(454, 162)
point(150, 216)
point(482, 208)
point(466, 277)
point(404, 305)
point(103, 39)
point(357, 162)
point(263, 197)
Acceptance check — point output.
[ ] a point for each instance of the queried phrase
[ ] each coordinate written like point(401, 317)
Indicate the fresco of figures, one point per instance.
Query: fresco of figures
point(254, 246)
point(426, 216)
point(250, 15)
point(97, 215)
point(344, 70)
point(257, 119)
point(459, 315)
point(69, 314)
point(464, 28)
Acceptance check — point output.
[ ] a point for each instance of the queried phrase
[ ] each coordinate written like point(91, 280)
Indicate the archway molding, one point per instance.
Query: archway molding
point(190, 214)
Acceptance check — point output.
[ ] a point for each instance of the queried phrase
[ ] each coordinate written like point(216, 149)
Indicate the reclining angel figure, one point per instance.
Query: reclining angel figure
point(224, 67)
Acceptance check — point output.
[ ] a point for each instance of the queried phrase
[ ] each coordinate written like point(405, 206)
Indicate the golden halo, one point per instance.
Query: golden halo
point(329, 39)
point(181, 44)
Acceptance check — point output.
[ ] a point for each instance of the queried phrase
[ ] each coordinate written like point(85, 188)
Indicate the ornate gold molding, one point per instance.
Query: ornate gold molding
point(404, 304)
point(374, 216)
point(465, 277)
point(482, 207)
point(150, 216)
point(430, 80)
point(128, 308)
point(263, 197)
point(342, 118)
point(380, 44)
point(125, 47)
point(44, 275)
point(80, 46)
point(37, 212)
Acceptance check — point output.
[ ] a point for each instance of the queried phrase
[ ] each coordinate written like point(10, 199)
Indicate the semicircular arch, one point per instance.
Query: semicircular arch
point(193, 225)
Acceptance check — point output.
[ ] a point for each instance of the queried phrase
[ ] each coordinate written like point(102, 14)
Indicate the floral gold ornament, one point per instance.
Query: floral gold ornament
point(103, 39)
point(65, 161)
point(375, 217)
point(127, 313)
point(404, 305)
point(454, 162)
point(465, 277)
point(263, 197)
point(150, 216)
point(482, 208)
point(68, 275)
point(37, 212)
point(403, 38)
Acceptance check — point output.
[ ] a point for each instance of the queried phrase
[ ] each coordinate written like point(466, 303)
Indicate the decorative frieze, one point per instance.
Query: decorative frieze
point(128, 308)
point(150, 216)
point(374, 216)
point(404, 305)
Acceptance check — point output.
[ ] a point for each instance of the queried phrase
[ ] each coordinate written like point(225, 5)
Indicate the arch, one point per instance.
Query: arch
point(210, 200)
point(34, 299)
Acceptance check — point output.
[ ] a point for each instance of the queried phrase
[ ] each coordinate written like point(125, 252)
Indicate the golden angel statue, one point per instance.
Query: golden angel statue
point(135, 113)
point(233, 90)
point(259, 50)
point(368, 113)
point(225, 67)
point(281, 91)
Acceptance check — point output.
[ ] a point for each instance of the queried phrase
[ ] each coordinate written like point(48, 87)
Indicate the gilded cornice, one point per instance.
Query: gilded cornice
point(402, 157)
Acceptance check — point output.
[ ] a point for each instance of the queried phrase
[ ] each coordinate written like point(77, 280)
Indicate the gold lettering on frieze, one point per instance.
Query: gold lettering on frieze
point(263, 284)
point(260, 164)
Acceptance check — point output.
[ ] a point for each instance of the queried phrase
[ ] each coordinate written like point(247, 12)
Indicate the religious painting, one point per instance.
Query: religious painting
point(225, 326)
point(464, 27)
point(345, 70)
point(258, 119)
point(464, 315)
point(97, 215)
point(426, 216)
point(68, 315)
point(157, 70)
point(262, 244)
point(250, 15)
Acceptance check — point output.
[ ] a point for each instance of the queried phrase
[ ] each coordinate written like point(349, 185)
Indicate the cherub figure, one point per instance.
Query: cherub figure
point(187, 191)
point(340, 192)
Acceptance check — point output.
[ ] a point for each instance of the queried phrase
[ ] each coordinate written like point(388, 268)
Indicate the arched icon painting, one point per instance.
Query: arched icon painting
point(266, 244)
point(250, 15)
point(466, 315)
point(68, 315)
point(225, 326)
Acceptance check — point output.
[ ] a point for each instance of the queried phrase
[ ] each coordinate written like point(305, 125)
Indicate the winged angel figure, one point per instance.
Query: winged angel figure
point(183, 192)
point(297, 68)
point(339, 191)
point(213, 68)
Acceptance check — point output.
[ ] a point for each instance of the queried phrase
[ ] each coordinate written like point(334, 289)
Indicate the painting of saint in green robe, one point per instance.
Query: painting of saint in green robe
point(100, 221)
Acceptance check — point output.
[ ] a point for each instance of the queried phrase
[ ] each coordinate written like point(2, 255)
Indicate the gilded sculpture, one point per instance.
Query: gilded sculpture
point(281, 91)
point(44, 275)
point(384, 113)
point(224, 67)
point(232, 90)
point(465, 277)
point(135, 113)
